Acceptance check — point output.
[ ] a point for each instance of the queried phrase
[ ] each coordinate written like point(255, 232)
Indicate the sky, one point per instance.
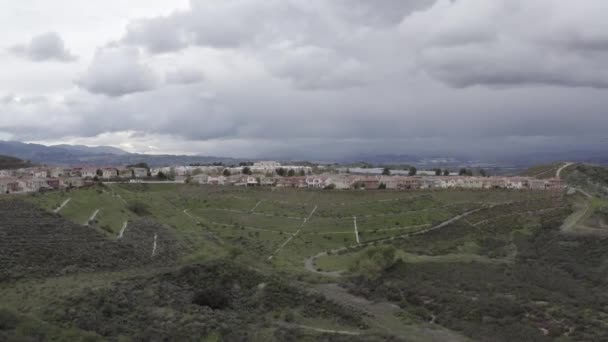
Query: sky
point(306, 78)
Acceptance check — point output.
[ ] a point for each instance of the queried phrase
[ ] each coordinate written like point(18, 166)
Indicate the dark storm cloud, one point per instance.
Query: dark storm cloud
point(45, 47)
point(250, 77)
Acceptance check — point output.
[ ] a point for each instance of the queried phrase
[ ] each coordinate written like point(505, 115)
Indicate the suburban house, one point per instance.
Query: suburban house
point(53, 183)
point(291, 182)
point(109, 173)
point(9, 185)
point(72, 182)
point(369, 182)
point(124, 172)
point(140, 172)
point(267, 181)
point(88, 172)
point(200, 179)
point(219, 180)
point(316, 182)
point(6, 173)
point(341, 182)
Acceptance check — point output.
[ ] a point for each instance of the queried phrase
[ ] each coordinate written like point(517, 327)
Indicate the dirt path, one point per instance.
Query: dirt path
point(309, 263)
point(320, 330)
point(559, 171)
point(62, 205)
point(382, 317)
point(294, 235)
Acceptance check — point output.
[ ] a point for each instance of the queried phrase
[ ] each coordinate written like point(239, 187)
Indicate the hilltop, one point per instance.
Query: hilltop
point(12, 163)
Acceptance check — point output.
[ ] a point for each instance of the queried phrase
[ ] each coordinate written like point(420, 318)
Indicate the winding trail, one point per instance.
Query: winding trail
point(62, 205)
point(319, 330)
point(558, 173)
point(383, 316)
point(309, 263)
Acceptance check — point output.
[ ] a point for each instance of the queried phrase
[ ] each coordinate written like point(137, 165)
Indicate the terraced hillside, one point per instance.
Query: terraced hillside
point(233, 263)
point(34, 242)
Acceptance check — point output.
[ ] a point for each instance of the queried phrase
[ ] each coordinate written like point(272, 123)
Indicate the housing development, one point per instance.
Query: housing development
point(269, 174)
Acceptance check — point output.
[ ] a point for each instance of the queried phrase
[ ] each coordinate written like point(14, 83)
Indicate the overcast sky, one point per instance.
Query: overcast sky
point(305, 78)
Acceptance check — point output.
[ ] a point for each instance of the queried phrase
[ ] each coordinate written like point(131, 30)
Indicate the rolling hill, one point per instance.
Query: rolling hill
point(11, 163)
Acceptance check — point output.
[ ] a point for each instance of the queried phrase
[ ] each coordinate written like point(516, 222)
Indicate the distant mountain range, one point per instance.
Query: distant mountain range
point(93, 150)
point(107, 155)
point(100, 155)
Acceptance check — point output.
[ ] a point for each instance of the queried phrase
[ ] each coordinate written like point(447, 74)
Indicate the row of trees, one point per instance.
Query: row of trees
point(412, 171)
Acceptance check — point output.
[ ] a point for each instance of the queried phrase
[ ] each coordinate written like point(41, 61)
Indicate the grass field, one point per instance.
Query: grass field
point(283, 226)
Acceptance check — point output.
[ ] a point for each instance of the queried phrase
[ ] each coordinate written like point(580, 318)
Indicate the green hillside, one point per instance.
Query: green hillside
point(188, 262)
point(11, 163)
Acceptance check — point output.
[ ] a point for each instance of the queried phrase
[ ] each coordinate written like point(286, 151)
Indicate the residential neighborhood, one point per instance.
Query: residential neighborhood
point(264, 174)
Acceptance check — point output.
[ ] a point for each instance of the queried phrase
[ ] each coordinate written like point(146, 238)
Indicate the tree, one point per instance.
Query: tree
point(465, 172)
point(483, 173)
point(437, 172)
point(247, 170)
point(291, 173)
point(281, 172)
point(412, 171)
point(386, 172)
point(161, 175)
point(375, 260)
point(382, 186)
point(99, 172)
point(302, 173)
point(226, 173)
point(446, 172)
point(141, 165)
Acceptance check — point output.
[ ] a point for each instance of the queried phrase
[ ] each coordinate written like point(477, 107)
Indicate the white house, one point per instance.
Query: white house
point(139, 172)
point(109, 172)
point(88, 173)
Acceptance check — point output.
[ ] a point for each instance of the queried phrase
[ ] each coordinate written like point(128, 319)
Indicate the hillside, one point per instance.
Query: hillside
point(189, 262)
point(591, 178)
point(542, 171)
point(11, 163)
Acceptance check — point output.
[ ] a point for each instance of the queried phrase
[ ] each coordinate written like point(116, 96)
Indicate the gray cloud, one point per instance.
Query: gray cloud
point(506, 43)
point(318, 77)
point(45, 47)
point(185, 76)
point(118, 71)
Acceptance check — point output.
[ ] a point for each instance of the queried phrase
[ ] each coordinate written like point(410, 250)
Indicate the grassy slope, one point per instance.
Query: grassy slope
point(212, 232)
point(10, 163)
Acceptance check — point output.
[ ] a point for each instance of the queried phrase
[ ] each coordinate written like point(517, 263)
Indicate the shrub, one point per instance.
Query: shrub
point(139, 208)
